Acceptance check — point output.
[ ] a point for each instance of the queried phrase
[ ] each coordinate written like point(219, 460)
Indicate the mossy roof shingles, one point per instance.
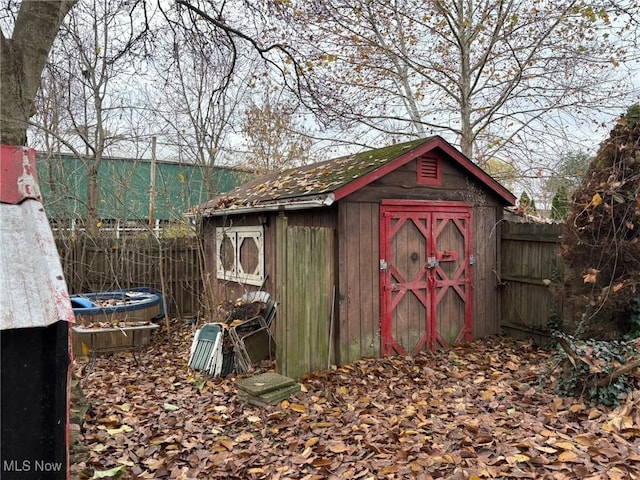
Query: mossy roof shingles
point(310, 180)
point(323, 182)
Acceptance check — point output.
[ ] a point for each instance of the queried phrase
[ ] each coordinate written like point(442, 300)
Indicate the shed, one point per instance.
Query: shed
point(388, 251)
point(35, 321)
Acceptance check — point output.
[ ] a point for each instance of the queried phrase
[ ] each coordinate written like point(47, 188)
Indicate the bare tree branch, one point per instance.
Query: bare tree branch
point(262, 50)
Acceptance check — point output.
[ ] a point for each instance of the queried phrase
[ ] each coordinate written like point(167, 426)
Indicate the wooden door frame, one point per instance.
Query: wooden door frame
point(427, 207)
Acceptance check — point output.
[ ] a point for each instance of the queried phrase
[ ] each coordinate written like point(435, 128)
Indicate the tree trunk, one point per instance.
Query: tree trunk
point(92, 200)
point(22, 59)
point(466, 132)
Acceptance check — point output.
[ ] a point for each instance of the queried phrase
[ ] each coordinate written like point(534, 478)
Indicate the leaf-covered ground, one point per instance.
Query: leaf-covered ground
point(484, 410)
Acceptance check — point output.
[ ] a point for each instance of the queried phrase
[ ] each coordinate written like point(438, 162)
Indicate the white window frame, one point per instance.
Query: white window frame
point(238, 235)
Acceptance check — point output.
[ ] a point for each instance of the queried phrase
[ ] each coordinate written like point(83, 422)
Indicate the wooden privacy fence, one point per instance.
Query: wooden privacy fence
point(96, 265)
point(531, 270)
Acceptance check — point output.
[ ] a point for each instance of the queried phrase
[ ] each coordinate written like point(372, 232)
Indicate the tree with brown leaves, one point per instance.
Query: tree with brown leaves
point(601, 241)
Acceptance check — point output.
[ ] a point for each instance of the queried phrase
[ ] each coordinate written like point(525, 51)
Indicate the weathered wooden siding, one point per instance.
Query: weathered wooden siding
point(221, 290)
point(92, 265)
point(316, 217)
point(358, 254)
point(359, 281)
point(401, 184)
point(530, 261)
point(486, 246)
point(305, 291)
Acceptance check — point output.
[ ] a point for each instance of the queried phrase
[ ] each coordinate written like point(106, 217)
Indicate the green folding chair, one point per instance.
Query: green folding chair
point(206, 349)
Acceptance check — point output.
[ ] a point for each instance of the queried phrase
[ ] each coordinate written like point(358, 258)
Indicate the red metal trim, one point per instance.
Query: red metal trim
point(438, 145)
point(18, 177)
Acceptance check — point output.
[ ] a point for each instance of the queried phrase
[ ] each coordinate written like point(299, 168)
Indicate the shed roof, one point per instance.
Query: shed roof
point(33, 292)
point(321, 184)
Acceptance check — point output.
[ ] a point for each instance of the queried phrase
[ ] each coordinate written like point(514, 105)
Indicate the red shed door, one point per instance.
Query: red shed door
point(425, 276)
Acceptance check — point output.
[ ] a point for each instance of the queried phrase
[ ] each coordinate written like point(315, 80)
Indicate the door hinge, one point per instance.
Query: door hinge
point(384, 266)
point(472, 259)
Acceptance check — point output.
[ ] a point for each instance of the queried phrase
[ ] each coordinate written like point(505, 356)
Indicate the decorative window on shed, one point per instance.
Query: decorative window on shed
point(240, 254)
point(429, 172)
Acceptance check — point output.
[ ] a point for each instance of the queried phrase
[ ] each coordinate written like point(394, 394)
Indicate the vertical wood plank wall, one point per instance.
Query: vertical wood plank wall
point(530, 258)
point(218, 290)
point(111, 264)
point(304, 286)
point(358, 295)
point(486, 245)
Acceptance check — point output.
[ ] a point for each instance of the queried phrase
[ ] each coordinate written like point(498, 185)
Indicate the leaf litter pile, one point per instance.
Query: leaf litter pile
point(482, 410)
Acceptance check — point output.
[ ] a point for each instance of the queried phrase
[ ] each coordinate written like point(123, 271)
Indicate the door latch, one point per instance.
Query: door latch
point(432, 262)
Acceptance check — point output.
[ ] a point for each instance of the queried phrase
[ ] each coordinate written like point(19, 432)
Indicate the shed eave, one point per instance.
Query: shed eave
point(317, 202)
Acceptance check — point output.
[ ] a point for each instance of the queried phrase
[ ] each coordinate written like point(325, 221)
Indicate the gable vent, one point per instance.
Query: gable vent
point(428, 171)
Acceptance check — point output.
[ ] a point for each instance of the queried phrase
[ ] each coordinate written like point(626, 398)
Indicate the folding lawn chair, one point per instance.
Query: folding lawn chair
point(206, 349)
point(267, 316)
point(252, 339)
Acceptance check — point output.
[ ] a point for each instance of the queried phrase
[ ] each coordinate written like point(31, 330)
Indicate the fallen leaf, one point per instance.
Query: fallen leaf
point(112, 472)
point(338, 447)
point(311, 442)
point(564, 445)
point(544, 449)
point(296, 407)
point(244, 437)
point(590, 276)
point(486, 409)
point(227, 443)
point(121, 429)
point(570, 457)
